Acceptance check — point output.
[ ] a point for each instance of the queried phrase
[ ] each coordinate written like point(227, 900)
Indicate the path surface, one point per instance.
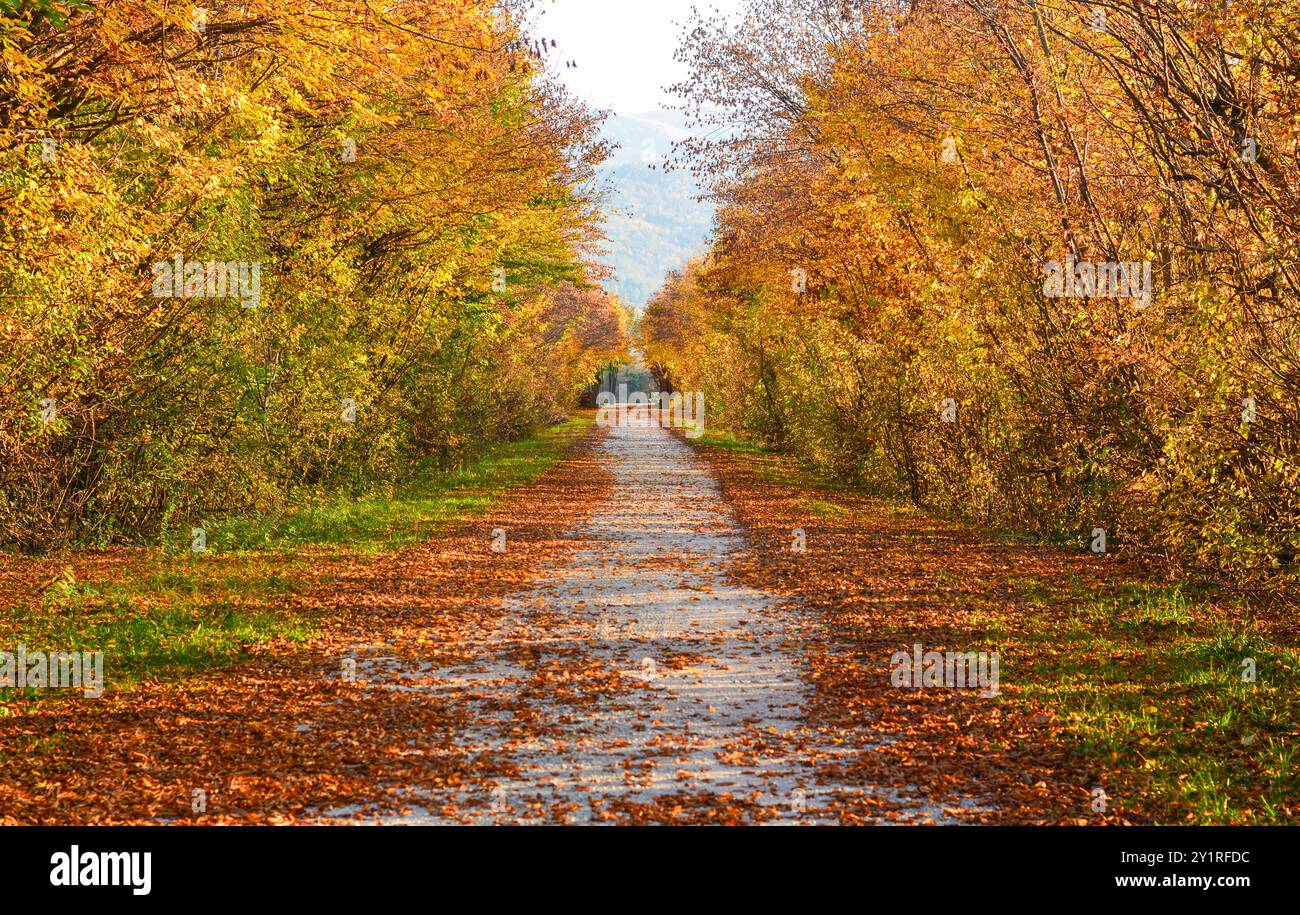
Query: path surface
point(635, 678)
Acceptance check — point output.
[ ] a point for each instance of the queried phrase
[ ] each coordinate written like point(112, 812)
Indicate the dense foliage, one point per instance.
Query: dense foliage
point(401, 192)
point(928, 166)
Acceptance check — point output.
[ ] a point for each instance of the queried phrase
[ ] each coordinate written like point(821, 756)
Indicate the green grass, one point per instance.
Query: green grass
point(1150, 680)
point(407, 514)
point(782, 469)
point(728, 441)
point(824, 509)
point(1146, 678)
point(173, 613)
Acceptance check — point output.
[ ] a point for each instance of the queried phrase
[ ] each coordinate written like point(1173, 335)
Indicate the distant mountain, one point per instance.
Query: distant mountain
point(655, 223)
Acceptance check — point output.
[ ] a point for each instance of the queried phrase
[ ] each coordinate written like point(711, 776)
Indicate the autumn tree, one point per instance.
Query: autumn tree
point(902, 182)
point(401, 187)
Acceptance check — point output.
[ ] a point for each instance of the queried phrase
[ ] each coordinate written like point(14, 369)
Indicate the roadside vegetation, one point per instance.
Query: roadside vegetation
point(168, 612)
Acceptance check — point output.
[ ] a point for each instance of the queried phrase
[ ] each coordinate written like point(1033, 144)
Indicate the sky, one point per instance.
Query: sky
point(624, 48)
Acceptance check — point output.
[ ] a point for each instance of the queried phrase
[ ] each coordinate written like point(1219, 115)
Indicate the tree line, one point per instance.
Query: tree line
point(255, 252)
point(1031, 262)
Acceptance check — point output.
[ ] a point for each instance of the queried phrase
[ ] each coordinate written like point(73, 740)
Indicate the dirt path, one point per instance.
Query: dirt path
point(636, 680)
point(648, 648)
point(645, 649)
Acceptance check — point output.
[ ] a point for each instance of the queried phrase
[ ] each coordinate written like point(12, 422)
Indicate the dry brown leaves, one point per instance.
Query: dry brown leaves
point(882, 579)
point(284, 735)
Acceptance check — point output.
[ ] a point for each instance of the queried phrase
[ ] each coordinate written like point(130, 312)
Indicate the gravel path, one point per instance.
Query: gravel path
point(636, 682)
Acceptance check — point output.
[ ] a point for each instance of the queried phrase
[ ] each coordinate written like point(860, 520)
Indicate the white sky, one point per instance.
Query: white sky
point(624, 48)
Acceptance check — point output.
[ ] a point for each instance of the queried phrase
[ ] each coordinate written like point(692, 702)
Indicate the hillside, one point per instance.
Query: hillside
point(654, 221)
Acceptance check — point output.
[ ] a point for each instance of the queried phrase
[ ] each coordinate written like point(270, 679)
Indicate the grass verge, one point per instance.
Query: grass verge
point(171, 612)
point(1180, 697)
point(1179, 685)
